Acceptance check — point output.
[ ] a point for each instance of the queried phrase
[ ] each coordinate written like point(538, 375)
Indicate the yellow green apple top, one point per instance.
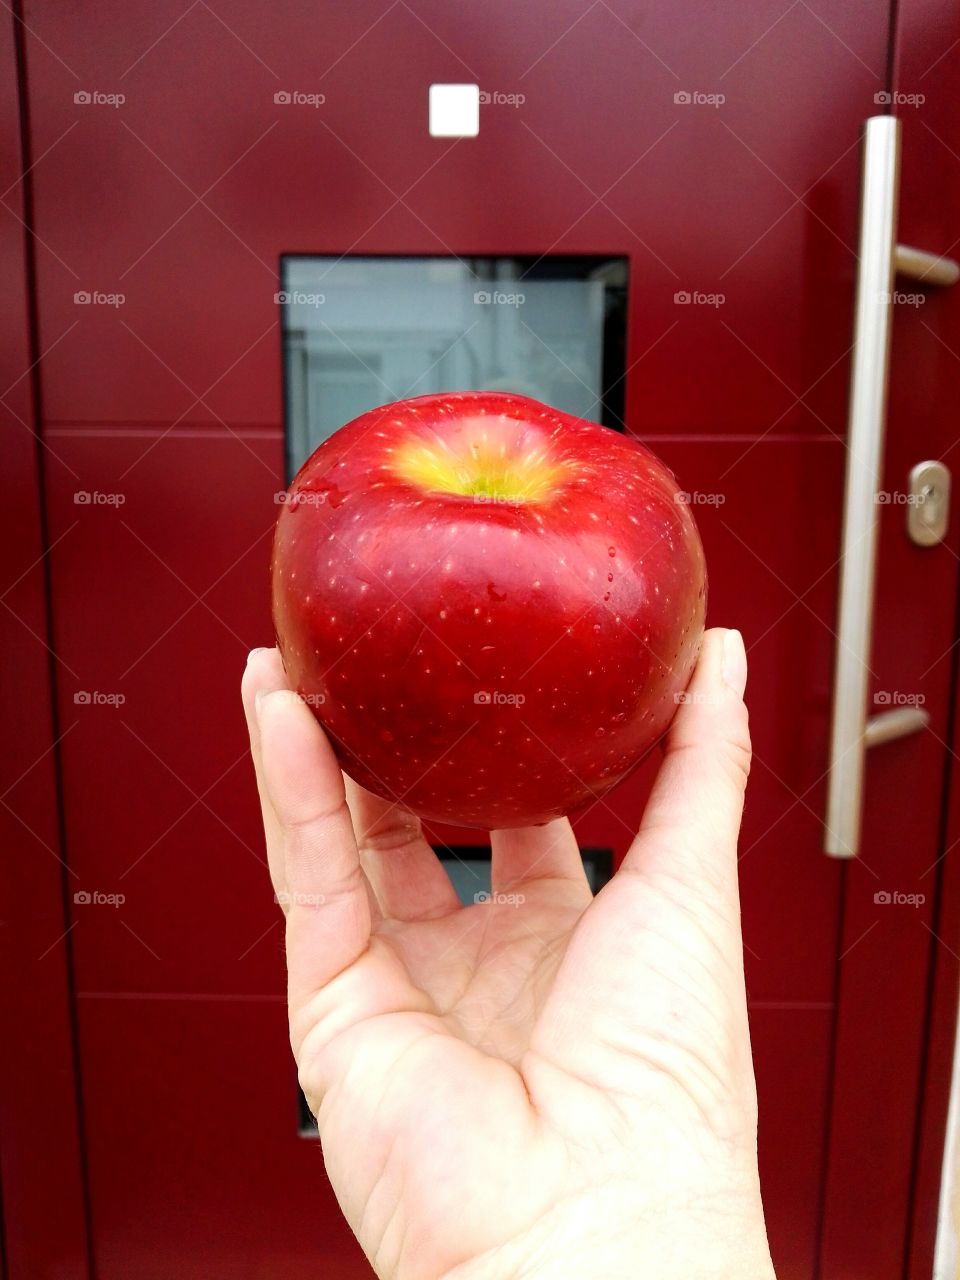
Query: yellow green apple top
point(491, 606)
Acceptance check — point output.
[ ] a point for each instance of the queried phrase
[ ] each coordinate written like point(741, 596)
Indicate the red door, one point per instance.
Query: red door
point(178, 162)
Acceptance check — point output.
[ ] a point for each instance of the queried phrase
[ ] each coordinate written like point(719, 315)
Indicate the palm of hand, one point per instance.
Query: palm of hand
point(455, 1085)
point(503, 1089)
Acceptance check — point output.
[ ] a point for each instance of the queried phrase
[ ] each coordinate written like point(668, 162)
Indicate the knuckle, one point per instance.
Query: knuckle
point(306, 825)
point(396, 832)
point(737, 760)
point(738, 753)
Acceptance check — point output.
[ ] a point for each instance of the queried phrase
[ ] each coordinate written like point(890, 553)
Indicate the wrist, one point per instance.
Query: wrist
point(608, 1236)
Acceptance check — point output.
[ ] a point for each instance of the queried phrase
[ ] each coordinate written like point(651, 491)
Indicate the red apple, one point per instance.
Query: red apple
point(491, 606)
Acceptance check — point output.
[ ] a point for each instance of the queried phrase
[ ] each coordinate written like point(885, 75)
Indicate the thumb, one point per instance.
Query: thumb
point(655, 968)
point(692, 819)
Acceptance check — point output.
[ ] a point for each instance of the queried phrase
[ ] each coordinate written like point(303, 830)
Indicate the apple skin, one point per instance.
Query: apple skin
point(483, 658)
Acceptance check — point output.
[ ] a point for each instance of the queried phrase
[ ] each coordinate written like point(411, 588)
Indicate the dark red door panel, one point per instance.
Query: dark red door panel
point(717, 150)
point(157, 792)
point(734, 199)
point(41, 1156)
point(195, 1156)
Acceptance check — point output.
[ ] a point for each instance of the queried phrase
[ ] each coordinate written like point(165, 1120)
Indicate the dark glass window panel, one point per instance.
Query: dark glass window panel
point(360, 332)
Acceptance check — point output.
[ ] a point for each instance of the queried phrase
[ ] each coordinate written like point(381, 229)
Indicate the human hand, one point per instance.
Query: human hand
point(556, 1088)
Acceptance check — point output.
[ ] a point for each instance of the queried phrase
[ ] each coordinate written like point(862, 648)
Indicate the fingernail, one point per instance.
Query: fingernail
point(253, 653)
point(733, 667)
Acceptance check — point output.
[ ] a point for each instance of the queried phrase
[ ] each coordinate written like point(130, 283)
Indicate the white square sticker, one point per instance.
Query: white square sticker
point(454, 110)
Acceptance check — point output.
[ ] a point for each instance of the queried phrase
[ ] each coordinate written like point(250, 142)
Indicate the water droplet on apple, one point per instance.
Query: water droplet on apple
point(611, 551)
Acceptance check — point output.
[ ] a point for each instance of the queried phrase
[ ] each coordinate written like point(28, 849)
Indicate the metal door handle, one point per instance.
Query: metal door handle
point(880, 256)
point(925, 267)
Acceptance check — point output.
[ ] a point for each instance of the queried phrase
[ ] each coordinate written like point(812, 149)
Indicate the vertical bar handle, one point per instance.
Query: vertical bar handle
point(867, 414)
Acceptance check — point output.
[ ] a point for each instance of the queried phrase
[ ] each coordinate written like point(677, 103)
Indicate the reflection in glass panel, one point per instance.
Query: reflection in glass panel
point(359, 332)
